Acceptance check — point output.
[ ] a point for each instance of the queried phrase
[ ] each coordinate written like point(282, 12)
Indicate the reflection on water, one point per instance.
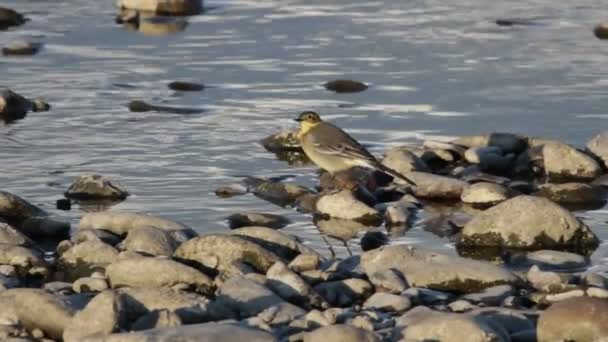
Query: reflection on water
point(434, 70)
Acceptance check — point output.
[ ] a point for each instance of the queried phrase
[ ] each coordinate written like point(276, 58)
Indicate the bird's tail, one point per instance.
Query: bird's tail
point(393, 173)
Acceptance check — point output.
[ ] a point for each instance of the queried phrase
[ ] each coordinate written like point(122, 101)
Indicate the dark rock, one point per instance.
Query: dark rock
point(507, 142)
point(45, 228)
point(515, 22)
point(185, 86)
point(282, 141)
point(492, 296)
point(579, 319)
point(257, 219)
point(527, 222)
point(283, 194)
point(64, 204)
point(21, 48)
point(90, 187)
point(104, 236)
point(345, 293)
point(13, 106)
point(601, 31)
point(373, 239)
point(10, 17)
point(138, 106)
point(345, 86)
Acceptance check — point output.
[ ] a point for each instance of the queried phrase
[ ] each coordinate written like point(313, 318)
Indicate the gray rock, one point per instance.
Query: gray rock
point(573, 193)
point(563, 162)
point(305, 262)
point(345, 292)
point(11, 236)
point(291, 287)
point(485, 194)
point(190, 307)
point(13, 207)
point(340, 333)
point(90, 284)
point(450, 327)
point(240, 297)
point(221, 252)
point(398, 215)
point(388, 302)
point(257, 219)
point(281, 314)
point(85, 258)
point(527, 222)
point(208, 332)
point(598, 147)
point(150, 241)
point(26, 261)
point(279, 243)
point(427, 296)
point(103, 315)
point(432, 186)
point(510, 320)
point(388, 280)
point(461, 305)
point(287, 140)
point(543, 280)
point(507, 142)
point(157, 319)
point(231, 190)
point(38, 309)
point(425, 268)
point(403, 161)
point(579, 319)
point(156, 272)
point(492, 296)
point(92, 187)
point(556, 259)
point(345, 205)
point(173, 7)
point(104, 236)
point(283, 194)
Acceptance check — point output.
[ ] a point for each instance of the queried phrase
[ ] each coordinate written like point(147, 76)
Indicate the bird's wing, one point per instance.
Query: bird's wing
point(331, 140)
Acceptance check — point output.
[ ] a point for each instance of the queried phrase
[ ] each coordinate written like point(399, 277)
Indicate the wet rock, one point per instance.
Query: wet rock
point(282, 194)
point(138, 106)
point(556, 259)
point(579, 319)
point(90, 284)
point(10, 17)
point(595, 279)
point(38, 309)
point(346, 292)
point(190, 307)
point(515, 22)
point(230, 190)
point(388, 302)
point(240, 297)
point(91, 187)
point(345, 86)
point(281, 244)
point(573, 193)
point(492, 296)
point(157, 319)
point(220, 252)
point(121, 223)
point(601, 31)
point(150, 241)
point(26, 261)
point(291, 287)
point(424, 296)
point(485, 194)
point(373, 239)
point(403, 161)
point(563, 162)
point(544, 281)
point(598, 146)
point(476, 155)
point(489, 159)
point(11, 236)
point(388, 280)
point(156, 272)
point(165, 7)
point(461, 306)
point(63, 204)
point(436, 187)
point(283, 141)
point(340, 333)
point(104, 236)
point(257, 219)
point(425, 268)
point(305, 262)
point(45, 228)
point(13, 207)
point(449, 327)
point(9, 283)
point(185, 86)
point(149, 23)
point(40, 105)
point(398, 218)
point(527, 222)
point(206, 332)
point(341, 229)
point(103, 315)
point(21, 48)
point(345, 205)
point(506, 142)
point(13, 106)
point(85, 258)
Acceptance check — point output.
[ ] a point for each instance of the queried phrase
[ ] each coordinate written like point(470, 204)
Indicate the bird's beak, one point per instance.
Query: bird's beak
point(297, 119)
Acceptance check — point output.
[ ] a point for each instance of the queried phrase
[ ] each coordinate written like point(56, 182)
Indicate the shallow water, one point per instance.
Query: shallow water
point(435, 69)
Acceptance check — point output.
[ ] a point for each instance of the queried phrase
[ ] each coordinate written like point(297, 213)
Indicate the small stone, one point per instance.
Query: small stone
point(558, 297)
point(282, 141)
point(492, 296)
point(58, 287)
point(282, 194)
point(257, 219)
point(388, 302)
point(151, 241)
point(595, 279)
point(10, 17)
point(305, 262)
point(281, 244)
point(485, 194)
point(137, 106)
point(230, 190)
point(185, 86)
point(64, 204)
point(461, 305)
point(388, 280)
point(90, 187)
point(190, 307)
point(563, 162)
point(157, 319)
point(427, 296)
point(344, 292)
point(597, 292)
point(542, 280)
point(20, 48)
point(164, 7)
point(26, 261)
point(291, 287)
point(40, 105)
point(345, 86)
point(556, 259)
point(601, 31)
point(90, 284)
point(11, 236)
point(578, 319)
point(373, 239)
point(598, 146)
point(104, 236)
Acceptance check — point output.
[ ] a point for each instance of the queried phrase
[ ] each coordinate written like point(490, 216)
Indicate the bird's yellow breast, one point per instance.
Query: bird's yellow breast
point(305, 127)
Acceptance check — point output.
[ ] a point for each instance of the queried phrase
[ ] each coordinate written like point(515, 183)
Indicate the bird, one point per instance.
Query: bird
point(334, 150)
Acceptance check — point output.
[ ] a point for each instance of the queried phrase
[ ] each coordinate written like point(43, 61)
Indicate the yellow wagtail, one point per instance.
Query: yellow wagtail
point(333, 150)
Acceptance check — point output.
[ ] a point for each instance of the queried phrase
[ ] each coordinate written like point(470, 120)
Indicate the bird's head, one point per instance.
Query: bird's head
point(307, 121)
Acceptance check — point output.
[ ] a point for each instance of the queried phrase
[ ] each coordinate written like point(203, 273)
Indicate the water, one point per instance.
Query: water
point(435, 69)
